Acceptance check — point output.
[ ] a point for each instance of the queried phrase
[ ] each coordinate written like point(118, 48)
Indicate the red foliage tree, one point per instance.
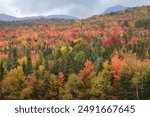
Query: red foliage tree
point(133, 40)
point(21, 54)
point(89, 67)
point(116, 63)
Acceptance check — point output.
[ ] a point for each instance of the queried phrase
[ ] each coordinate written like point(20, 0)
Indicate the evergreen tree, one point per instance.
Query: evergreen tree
point(29, 68)
point(10, 57)
point(98, 65)
point(46, 64)
point(1, 71)
point(15, 57)
point(24, 67)
point(79, 61)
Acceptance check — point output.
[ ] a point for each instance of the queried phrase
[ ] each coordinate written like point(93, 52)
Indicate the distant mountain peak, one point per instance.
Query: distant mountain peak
point(115, 8)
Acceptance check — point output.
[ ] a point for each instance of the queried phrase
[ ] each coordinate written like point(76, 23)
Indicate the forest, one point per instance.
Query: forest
point(103, 57)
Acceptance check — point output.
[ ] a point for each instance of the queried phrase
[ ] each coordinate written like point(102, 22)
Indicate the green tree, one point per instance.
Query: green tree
point(101, 85)
point(46, 64)
point(79, 61)
point(10, 57)
point(98, 65)
point(15, 58)
point(1, 77)
point(29, 68)
point(1, 71)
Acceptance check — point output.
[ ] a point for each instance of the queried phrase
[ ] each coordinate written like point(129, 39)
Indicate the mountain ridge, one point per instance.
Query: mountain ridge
point(5, 17)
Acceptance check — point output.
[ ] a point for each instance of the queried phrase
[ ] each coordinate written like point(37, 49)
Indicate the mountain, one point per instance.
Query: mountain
point(4, 17)
point(66, 17)
point(115, 9)
point(61, 17)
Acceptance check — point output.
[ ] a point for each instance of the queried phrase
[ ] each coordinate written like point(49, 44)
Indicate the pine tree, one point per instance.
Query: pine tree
point(29, 68)
point(98, 65)
point(24, 67)
point(79, 61)
point(1, 71)
point(46, 64)
point(15, 58)
point(10, 57)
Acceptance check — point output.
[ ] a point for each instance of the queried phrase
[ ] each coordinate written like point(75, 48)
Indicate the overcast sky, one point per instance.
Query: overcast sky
point(78, 8)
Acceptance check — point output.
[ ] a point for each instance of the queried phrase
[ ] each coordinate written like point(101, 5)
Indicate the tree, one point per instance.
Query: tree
point(1, 77)
point(142, 23)
point(46, 64)
point(29, 68)
point(130, 76)
point(86, 75)
point(13, 83)
point(125, 23)
point(15, 57)
point(141, 80)
point(51, 87)
point(46, 54)
point(101, 85)
point(34, 87)
point(1, 71)
point(10, 57)
point(98, 65)
point(67, 65)
point(73, 88)
point(116, 63)
point(136, 81)
point(61, 78)
point(89, 67)
point(79, 61)
point(145, 92)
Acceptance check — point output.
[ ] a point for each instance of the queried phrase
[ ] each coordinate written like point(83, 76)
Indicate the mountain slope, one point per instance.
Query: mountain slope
point(4, 17)
point(115, 9)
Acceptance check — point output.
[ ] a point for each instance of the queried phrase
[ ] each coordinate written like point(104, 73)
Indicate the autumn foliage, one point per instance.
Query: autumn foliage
point(116, 64)
point(101, 57)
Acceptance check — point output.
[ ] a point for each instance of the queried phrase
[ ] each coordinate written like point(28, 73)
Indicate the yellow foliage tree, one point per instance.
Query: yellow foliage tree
point(73, 88)
point(13, 83)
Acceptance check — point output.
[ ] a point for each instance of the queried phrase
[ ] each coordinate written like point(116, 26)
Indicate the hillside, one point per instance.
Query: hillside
point(130, 14)
point(104, 57)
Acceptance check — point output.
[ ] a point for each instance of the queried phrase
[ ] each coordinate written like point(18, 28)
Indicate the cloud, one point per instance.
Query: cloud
point(78, 8)
point(71, 7)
